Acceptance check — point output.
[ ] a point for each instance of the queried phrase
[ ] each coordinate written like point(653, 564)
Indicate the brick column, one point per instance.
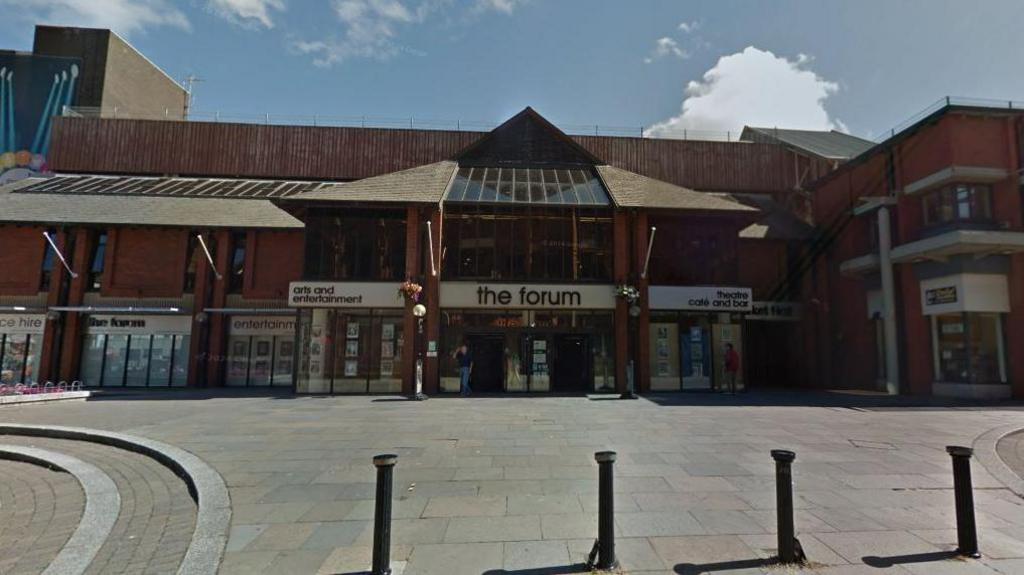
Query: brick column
point(620, 270)
point(413, 345)
point(71, 348)
point(52, 334)
point(915, 334)
point(643, 322)
point(217, 322)
point(197, 359)
point(432, 287)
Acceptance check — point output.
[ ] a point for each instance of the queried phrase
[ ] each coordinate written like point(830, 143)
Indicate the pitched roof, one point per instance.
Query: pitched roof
point(830, 144)
point(629, 190)
point(422, 184)
point(526, 139)
point(21, 206)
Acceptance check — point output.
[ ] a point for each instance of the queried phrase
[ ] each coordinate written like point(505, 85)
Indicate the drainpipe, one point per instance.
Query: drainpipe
point(892, 362)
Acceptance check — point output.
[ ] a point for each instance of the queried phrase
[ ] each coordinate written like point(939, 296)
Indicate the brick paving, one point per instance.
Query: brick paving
point(39, 510)
point(154, 527)
point(508, 485)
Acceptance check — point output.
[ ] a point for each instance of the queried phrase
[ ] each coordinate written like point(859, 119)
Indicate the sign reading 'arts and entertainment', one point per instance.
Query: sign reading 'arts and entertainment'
point(525, 296)
point(344, 294)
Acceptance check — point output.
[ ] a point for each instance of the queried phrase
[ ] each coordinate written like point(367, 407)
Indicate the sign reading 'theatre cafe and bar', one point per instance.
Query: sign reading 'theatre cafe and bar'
point(701, 298)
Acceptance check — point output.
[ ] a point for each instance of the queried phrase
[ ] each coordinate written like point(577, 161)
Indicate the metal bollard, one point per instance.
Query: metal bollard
point(789, 547)
point(605, 544)
point(382, 514)
point(966, 528)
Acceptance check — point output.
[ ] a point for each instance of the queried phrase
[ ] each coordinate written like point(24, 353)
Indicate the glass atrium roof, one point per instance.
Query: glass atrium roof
point(575, 187)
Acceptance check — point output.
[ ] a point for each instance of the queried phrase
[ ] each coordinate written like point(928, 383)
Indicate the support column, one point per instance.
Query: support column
point(431, 365)
point(48, 368)
point(217, 322)
point(892, 364)
point(620, 271)
point(414, 344)
point(197, 357)
point(642, 323)
point(71, 348)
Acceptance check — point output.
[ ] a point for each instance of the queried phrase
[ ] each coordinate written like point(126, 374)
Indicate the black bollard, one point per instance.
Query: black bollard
point(789, 547)
point(605, 544)
point(382, 514)
point(966, 528)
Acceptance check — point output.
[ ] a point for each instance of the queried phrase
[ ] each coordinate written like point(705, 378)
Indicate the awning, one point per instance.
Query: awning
point(124, 310)
point(980, 243)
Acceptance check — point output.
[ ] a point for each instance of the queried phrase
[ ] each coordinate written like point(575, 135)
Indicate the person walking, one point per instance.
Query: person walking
point(732, 366)
point(465, 359)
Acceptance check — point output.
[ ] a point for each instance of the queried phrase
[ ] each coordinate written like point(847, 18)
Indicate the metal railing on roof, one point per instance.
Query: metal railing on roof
point(945, 102)
point(408, 123)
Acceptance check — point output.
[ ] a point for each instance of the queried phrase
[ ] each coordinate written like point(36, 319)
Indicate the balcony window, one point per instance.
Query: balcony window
point(958, 203)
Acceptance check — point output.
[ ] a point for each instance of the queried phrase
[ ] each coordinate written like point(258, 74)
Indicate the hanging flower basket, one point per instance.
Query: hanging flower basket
point(627, 292)
point(410, 290)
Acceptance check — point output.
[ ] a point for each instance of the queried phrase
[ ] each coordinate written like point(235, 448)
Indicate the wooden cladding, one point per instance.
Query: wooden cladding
point(163, 148)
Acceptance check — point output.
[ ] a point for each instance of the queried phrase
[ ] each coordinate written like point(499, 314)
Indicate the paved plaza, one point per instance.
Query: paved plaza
point(492, 485)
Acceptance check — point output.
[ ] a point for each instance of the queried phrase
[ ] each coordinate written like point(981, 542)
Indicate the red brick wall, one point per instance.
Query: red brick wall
point(762, 265)
point(145, 263)
point(21, 260)
point(276, 259)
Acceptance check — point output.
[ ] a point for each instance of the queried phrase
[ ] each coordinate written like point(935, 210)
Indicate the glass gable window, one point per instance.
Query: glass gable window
point(958, 203)
point(572, 187)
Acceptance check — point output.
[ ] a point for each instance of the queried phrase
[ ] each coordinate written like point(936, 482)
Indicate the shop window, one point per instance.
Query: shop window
point(236, 275)
point(958, 203)
point(19, 358)
point(138, 360)
point(97, 263)
point(356, 351)
point(969, 348)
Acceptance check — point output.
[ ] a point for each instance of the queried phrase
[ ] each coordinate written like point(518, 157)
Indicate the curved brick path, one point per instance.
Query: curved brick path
point(1011, 451)
point(154, 528)
point(39, 510)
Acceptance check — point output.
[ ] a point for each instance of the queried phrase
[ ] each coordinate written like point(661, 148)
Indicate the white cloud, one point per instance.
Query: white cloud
point(371, 28)
point(757, 88)
point(665, 47)
point(687, 27)
point(122, 16)
point(247, 12)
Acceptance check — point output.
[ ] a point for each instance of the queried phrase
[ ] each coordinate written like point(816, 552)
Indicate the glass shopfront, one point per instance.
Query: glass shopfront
point(529, 350)
point(261, 351)
point(21, 339)
point(969, 348)
point(135, 351)
point(350, 351)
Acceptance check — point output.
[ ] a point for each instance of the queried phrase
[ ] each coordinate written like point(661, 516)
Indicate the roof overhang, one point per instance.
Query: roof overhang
point(960, 242)
point(869, 204)
point(860, 266)
point(965, 174)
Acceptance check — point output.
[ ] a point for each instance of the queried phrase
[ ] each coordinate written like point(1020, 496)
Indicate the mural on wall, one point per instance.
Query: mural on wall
point(33, 89)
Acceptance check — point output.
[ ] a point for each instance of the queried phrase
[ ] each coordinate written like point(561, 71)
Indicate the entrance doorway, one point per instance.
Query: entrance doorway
point(488, 351)
point(572, 363)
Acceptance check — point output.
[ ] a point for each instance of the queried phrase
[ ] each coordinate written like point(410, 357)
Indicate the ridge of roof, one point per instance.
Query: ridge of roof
point(422, 184)
point(629, 189)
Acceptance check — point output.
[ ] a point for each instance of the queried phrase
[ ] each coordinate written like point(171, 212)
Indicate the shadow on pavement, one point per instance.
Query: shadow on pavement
point(845, 399)
point(578, 568)
point(698, 568)
point(893, 560)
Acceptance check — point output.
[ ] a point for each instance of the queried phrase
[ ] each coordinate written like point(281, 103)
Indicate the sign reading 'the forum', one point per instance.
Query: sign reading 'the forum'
point(512, 296)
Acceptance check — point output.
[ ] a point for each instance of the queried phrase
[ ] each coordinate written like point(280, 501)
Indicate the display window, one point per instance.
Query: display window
point(350, 351)
point(685, 350)
point(21, 339)
point(260, 351)
point(969, 348)
point(135, 351)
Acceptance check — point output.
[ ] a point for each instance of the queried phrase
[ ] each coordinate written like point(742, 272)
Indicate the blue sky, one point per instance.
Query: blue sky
point(862, 66)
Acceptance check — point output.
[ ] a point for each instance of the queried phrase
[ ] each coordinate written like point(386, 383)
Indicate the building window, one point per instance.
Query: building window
point(97, 263)
point(969, 348)
point(367, 245)
point(19, 357)
point(237, 272)
point(193, 254)
point(958, 203)
point(49, 259)
point(137, 360)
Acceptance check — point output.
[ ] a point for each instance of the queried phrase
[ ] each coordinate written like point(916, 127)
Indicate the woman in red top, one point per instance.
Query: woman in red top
point(732, 366)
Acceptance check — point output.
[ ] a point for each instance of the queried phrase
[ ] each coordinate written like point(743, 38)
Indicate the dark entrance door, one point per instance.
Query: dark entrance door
point(572, 366)
point(488, 352)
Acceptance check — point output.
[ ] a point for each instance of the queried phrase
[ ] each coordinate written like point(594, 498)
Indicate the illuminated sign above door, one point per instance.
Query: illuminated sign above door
point(526, 296)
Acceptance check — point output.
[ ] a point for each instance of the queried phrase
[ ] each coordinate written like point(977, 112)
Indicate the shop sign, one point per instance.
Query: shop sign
point(939, 296)
point(22, 323)
point(526, 296)
point(262, 325)
point(985, 293)
point(139, 324)
point(701, 298)
point(774, 311)
point(344, 294)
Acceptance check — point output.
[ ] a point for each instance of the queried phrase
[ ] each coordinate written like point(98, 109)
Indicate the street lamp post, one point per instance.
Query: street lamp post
point(420, 311)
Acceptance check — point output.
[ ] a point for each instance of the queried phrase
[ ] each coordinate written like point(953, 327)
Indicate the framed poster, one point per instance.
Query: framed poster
point(284, 366)
point(351, 368)
point(663, 369)
point(387, 331)
point(387, 367)
point(540, 344)
point(352, 348)
point(662, 345)
point(262, 348)
point(352, 329)
point(387, 349)
point(286, 348)
point(662, 332)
